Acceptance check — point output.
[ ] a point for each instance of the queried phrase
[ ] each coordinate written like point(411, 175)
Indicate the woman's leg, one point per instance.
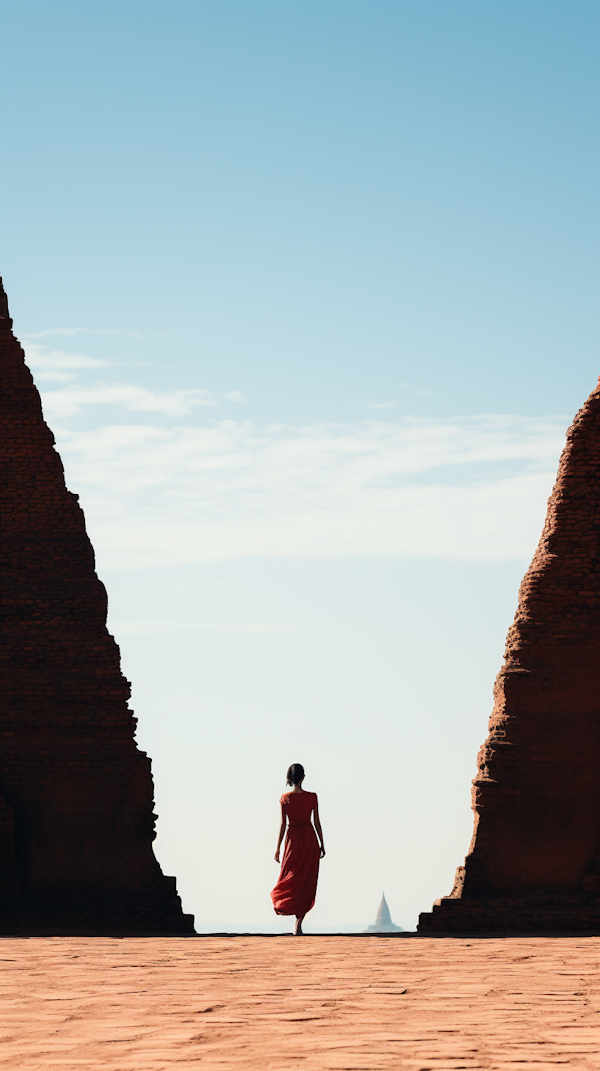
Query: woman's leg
point(298, 926)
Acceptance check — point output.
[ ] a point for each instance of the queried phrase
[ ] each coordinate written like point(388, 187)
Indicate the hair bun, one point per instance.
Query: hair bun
point(295, 774)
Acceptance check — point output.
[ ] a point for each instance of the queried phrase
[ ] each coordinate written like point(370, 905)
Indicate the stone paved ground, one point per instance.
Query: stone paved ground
point(315, 1003)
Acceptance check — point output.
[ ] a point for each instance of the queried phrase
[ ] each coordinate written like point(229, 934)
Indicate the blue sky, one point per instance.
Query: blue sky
point(310, 291)
point(321, 203)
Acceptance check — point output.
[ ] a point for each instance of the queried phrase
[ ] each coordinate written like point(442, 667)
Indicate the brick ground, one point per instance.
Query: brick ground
point(344, 1003)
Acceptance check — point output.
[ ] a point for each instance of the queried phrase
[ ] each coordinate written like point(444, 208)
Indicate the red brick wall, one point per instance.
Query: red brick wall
point(73, 783)
point(536, 795)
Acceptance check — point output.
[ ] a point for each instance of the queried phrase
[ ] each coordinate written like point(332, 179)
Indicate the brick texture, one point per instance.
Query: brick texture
point(76, 794)
point(534, 859)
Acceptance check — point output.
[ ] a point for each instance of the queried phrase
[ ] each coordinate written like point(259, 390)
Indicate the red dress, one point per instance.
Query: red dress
point(296, 889)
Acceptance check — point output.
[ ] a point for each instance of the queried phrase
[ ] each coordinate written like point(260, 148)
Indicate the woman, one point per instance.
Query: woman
point(295, 891)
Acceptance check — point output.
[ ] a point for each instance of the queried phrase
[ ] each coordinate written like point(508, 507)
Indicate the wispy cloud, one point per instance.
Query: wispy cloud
point(59, 364)
point(472, 488)
point(118, 331)
point(392, 403)
point(65, 367)
point(64, 404)
point(166, 627)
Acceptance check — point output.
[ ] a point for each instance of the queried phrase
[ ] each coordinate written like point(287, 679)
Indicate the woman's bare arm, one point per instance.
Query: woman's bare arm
point(281, 833)
point(317, 822)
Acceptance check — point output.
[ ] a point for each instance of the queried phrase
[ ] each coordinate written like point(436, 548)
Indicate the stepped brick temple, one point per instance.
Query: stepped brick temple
point(534, 860)
point(76, 795)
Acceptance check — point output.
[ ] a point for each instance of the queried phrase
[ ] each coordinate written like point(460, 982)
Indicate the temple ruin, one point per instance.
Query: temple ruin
point(76, 794)
point(534, 859)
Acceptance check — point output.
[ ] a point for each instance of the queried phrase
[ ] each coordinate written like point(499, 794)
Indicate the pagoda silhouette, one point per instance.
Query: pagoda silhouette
point(383, 920)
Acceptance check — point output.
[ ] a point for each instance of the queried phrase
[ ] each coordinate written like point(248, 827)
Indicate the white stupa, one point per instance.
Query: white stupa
point(383, 920)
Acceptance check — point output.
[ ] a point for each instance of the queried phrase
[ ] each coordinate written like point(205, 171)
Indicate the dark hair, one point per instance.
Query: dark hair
point(295, 774)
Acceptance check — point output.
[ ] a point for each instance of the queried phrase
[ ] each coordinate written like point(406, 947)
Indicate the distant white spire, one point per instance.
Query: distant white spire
point(383, 920)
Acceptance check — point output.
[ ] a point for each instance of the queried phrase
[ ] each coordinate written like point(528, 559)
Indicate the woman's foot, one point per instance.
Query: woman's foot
point(298, 928)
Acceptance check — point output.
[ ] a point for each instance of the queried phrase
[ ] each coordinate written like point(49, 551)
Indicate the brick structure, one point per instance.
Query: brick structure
point(76, 795)
point(534, 859)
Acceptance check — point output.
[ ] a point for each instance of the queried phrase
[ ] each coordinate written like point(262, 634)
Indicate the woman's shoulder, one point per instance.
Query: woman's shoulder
point(286, 795)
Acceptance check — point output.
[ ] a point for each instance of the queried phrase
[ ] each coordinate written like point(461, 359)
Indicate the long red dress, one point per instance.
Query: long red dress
point(296, 889)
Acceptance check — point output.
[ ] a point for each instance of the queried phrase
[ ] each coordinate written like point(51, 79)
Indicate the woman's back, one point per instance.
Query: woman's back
point(298, 806)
